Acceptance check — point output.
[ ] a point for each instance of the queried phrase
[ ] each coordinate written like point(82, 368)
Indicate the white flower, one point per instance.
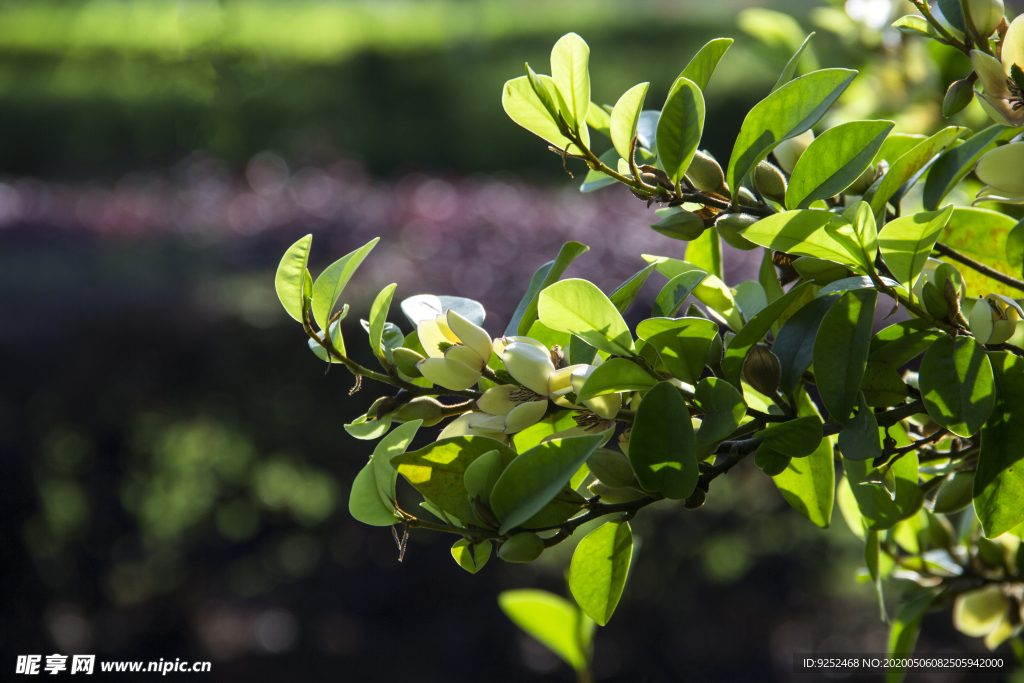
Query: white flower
point(994, 319)
point(1003, 82)
point(606, 406)
point(468, 349)
point(460, 426)
point(1002, 171)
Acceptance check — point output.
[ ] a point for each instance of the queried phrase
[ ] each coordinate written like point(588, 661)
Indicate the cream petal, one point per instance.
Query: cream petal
point(982, 321)
point(496, 401)
point(1001, 111)
point(529, 340)
point(1003, 169)
point(466, 356)
point(606, 406)
point(560, 381)
point(991, 73)
point(529, 366)
point(492, 423)
point(1013, 44)
point(442, 324)
point(447, 373)
point(525, 415)
point(460, 426)
point(473, 336)
point(431, 337)
point(580, 375)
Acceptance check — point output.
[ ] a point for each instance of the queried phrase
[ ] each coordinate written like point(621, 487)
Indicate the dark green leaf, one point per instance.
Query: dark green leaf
point(599, 567)
point(680, 127)
point(595, 180)
point(957, 384)
point(904, 630)
point(723, 408)
point(841, 351)
point(999, 482)
point(770, 460)
point(880, 510)
point(955, 163)
point(794, 345)
point(662, 448)
point(680, 225)
point(625, 293)
point(859, 439)
point(546, 275)
point(674, 293)
point(681, 343)
point(796, 438)
point(809, 484)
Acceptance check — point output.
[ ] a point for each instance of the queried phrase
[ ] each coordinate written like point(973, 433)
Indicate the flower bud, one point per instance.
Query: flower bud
point(696, 499)
point(524, 547)
point(448, 373)
point(406, 360)
point(789, 151)
point(935, 302)
point(680, 225)
point(955, 493)
point(958, 96)
point(946, 272)
point(819, 271)
point(560, 381)
point(927, 273)
point(861, 184)
point(624, 438)
point(746, 197)
point(612, 468)
point(420, 408)
point(729, 226)
point(706, 174)
point(986, 15)
point(613, 494)
point(470, 334)
point(762, 370)
point(770, 182)
point(994, 319)
point(714, 357)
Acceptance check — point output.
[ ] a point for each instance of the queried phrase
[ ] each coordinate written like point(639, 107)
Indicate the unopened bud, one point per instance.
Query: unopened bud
point(994, 319)
point(406, 360)
point(484, 513)
point(680, 225)
point(525, 547)
point(714, 358)
point(819, 271)
point(935, 302)
point(746, 197)
point(789, 151)
point(958, 96)
point(770, 182)
point(421, 408)
point(762, 370)
point(706, 174)
point(861, 184)
point(730, 226)
point(624, 439)
point(612, 468)
point(955, 493)
point(986, 15)
point(1000, 169)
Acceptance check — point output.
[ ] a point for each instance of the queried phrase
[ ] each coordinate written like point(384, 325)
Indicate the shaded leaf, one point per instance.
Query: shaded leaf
point(599, 567)
point(794, 345)
point(957, 384)
point(957, 162)
point(841, 351)
point(723, 408)
point(662, 448)
point(752, 333)
point(999, 481)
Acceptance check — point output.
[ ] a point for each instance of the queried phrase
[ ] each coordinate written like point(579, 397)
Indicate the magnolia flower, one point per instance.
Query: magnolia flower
point(467, 348)
point(994, 319)
point(1003, 83)
point(509, 408)
point(1002, 171)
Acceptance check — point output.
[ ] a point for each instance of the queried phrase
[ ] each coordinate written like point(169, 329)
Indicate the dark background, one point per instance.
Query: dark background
point(173, 468)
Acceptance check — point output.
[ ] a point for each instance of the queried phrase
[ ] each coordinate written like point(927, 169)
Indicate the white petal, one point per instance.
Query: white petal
point(450, 374)
point(466, 356)
point(473, 336)
point(461, 427)
point(579, 377)
point(529, 366)
point(1001, 111)
point(442, 324)
point(606, 406)
point(991, 73)
point(1013, 44)
point(494, 423)
point(430, 336)
point(528, 340)
point(560, 381)
point(525, 415)
point(496, 401)
point(1003, 169)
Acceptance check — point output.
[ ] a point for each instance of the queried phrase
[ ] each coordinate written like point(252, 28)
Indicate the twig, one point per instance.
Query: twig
point(996, 275)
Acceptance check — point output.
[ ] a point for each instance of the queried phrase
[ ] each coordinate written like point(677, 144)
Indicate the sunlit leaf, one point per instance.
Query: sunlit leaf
point(834, 161)
point(599, 567)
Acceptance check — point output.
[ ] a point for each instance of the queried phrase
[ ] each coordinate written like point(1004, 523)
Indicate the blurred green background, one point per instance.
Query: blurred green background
point(175, 471)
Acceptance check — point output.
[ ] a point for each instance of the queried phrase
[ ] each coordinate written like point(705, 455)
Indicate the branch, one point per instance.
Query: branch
point(996, 275)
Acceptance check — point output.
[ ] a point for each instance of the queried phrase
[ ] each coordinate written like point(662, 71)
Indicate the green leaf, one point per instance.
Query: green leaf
point(613, 376)
point(901, 342)
point(711, 291)
point(332, 281)
point(680, 225)
point(471, 557)
point(982, 235)
point(794, 345)
point(797, 438)
point(546, 275)
point(769, 280)
point(524, 107)
point(580, 308)
point(1015, 248)
point(752, 333)
point(883, 385)
point(957, 384)
point(903, 633)
point(841, 351)
point(913, 25)
point(682, 343)
point(390, 446)
point(789, 111)
point(703, 64)
point(337, 341)
point(625, 293)
point(424, 306)
point(808, 484)
point(751, 298)
point(365, 503)
point(379, 316)
point(680, 127)
point(834, 161)
point(552, 424)
point(955, 163)
point(770, 460)
point(662, 448)
point(599, 567)
point(534, 478)
point(907, 167)
point(705, 252)
point(674, 293)
point(871, 551)
point(879, 510)
point(801, 232)
point(857, 231)
point(723, 408)
point(906, 242)
point(570, 58)
point(625, 116)
point(859, 438)
point(999, 482)
point(437, 470)
point(290, 278)
point(792, 64)
point(599, 119)
point(595, 180)
point(360, 428)
point(553, 621)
